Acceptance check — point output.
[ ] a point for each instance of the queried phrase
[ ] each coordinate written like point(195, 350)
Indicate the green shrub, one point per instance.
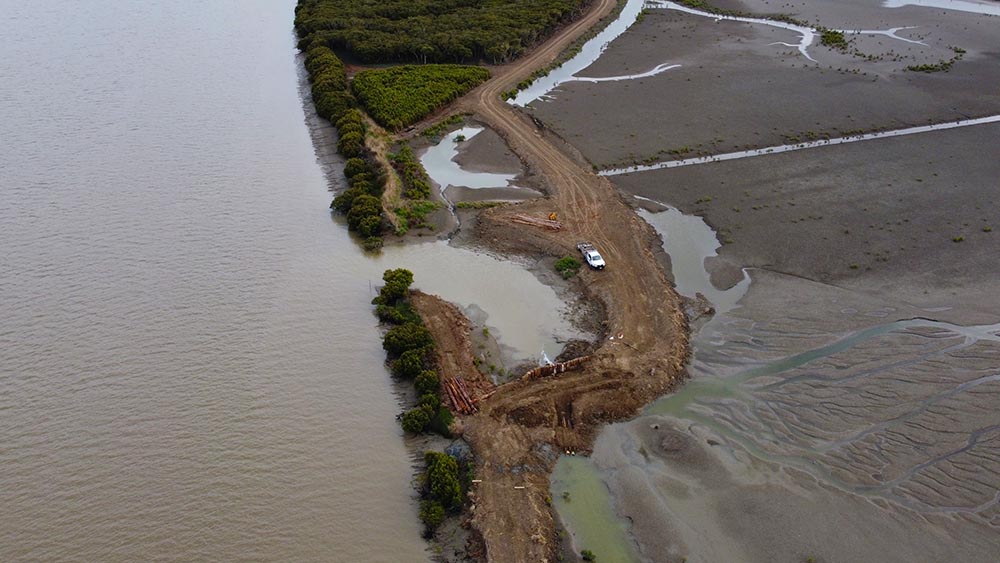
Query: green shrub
point(355, 166)
point(416, 420)
point(400, 96)
point(396, 287)
point(441, 422)
point(427, 382)
point(567, 266)
point(351, 145)
point(442, 480)
point(408, 336)
point(430, 401)
point(588, 555)
point(832, 38)
point(410, 363)
point(432, 515)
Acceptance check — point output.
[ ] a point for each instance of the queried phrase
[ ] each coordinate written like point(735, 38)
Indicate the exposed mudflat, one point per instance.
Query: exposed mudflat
point(878, 216)
point(736, 89)
point(810, 411)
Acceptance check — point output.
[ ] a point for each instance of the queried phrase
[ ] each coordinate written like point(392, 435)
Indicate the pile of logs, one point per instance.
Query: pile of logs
point(545, 371)
point(458, 393)
point(549, 224)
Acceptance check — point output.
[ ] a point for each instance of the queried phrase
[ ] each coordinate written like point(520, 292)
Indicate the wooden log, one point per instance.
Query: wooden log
point(537, 222)
point(546, 371)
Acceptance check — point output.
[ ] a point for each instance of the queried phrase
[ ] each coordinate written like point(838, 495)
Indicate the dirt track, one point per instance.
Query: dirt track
point(521, 429)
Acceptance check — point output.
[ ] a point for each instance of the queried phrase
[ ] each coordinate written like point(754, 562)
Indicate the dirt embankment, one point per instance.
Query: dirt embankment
point(522, 427)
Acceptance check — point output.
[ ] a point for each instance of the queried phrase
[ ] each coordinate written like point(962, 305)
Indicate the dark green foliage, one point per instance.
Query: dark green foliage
point(430, 401)
point(430, 30)
point(335, 103)
point(370, 226)
point(416, 420)
point(441, 422)
point(588, 555)
point(329, 83)
point(410, 363)
point(362, 207)
point(351, 145)
point(832, 38)
point(427, 382)
point(567, 266)
point(354, 166)
point(402, 95)
point(397, 286)
point(345, 200)
point(408, 336)
point(432, 515)
point(442, 480)
point(396, 314)
point(392, 303)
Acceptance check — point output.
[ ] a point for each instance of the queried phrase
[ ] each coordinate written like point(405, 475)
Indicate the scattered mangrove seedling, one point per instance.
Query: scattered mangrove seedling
point(832, 38)
point(987, 229)
point(940, 66)
point(588, 555)
point(438, 128)
point(399, 96)
point(477, 204)
point(958, 239)
point(459, 138)
point(567, 267)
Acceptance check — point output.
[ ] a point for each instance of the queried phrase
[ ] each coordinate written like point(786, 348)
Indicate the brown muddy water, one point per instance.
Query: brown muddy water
point(189, 366)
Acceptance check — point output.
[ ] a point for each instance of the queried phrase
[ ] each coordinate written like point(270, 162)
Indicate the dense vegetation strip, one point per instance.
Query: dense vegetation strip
point(430, 30)
point(361, 202)
point(399, 96)
point(409, 346)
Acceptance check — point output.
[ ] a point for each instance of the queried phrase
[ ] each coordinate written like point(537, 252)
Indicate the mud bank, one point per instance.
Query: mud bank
point(811, 409)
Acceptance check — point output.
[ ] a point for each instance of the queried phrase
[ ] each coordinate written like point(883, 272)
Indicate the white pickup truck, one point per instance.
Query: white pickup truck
point(591, 255)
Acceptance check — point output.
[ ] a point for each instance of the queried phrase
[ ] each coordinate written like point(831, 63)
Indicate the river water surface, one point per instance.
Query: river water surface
point(189, 365)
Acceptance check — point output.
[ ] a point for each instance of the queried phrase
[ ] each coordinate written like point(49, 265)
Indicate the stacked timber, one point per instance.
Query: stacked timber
point(458, 394)
point(549, 224)
point(546, 371)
